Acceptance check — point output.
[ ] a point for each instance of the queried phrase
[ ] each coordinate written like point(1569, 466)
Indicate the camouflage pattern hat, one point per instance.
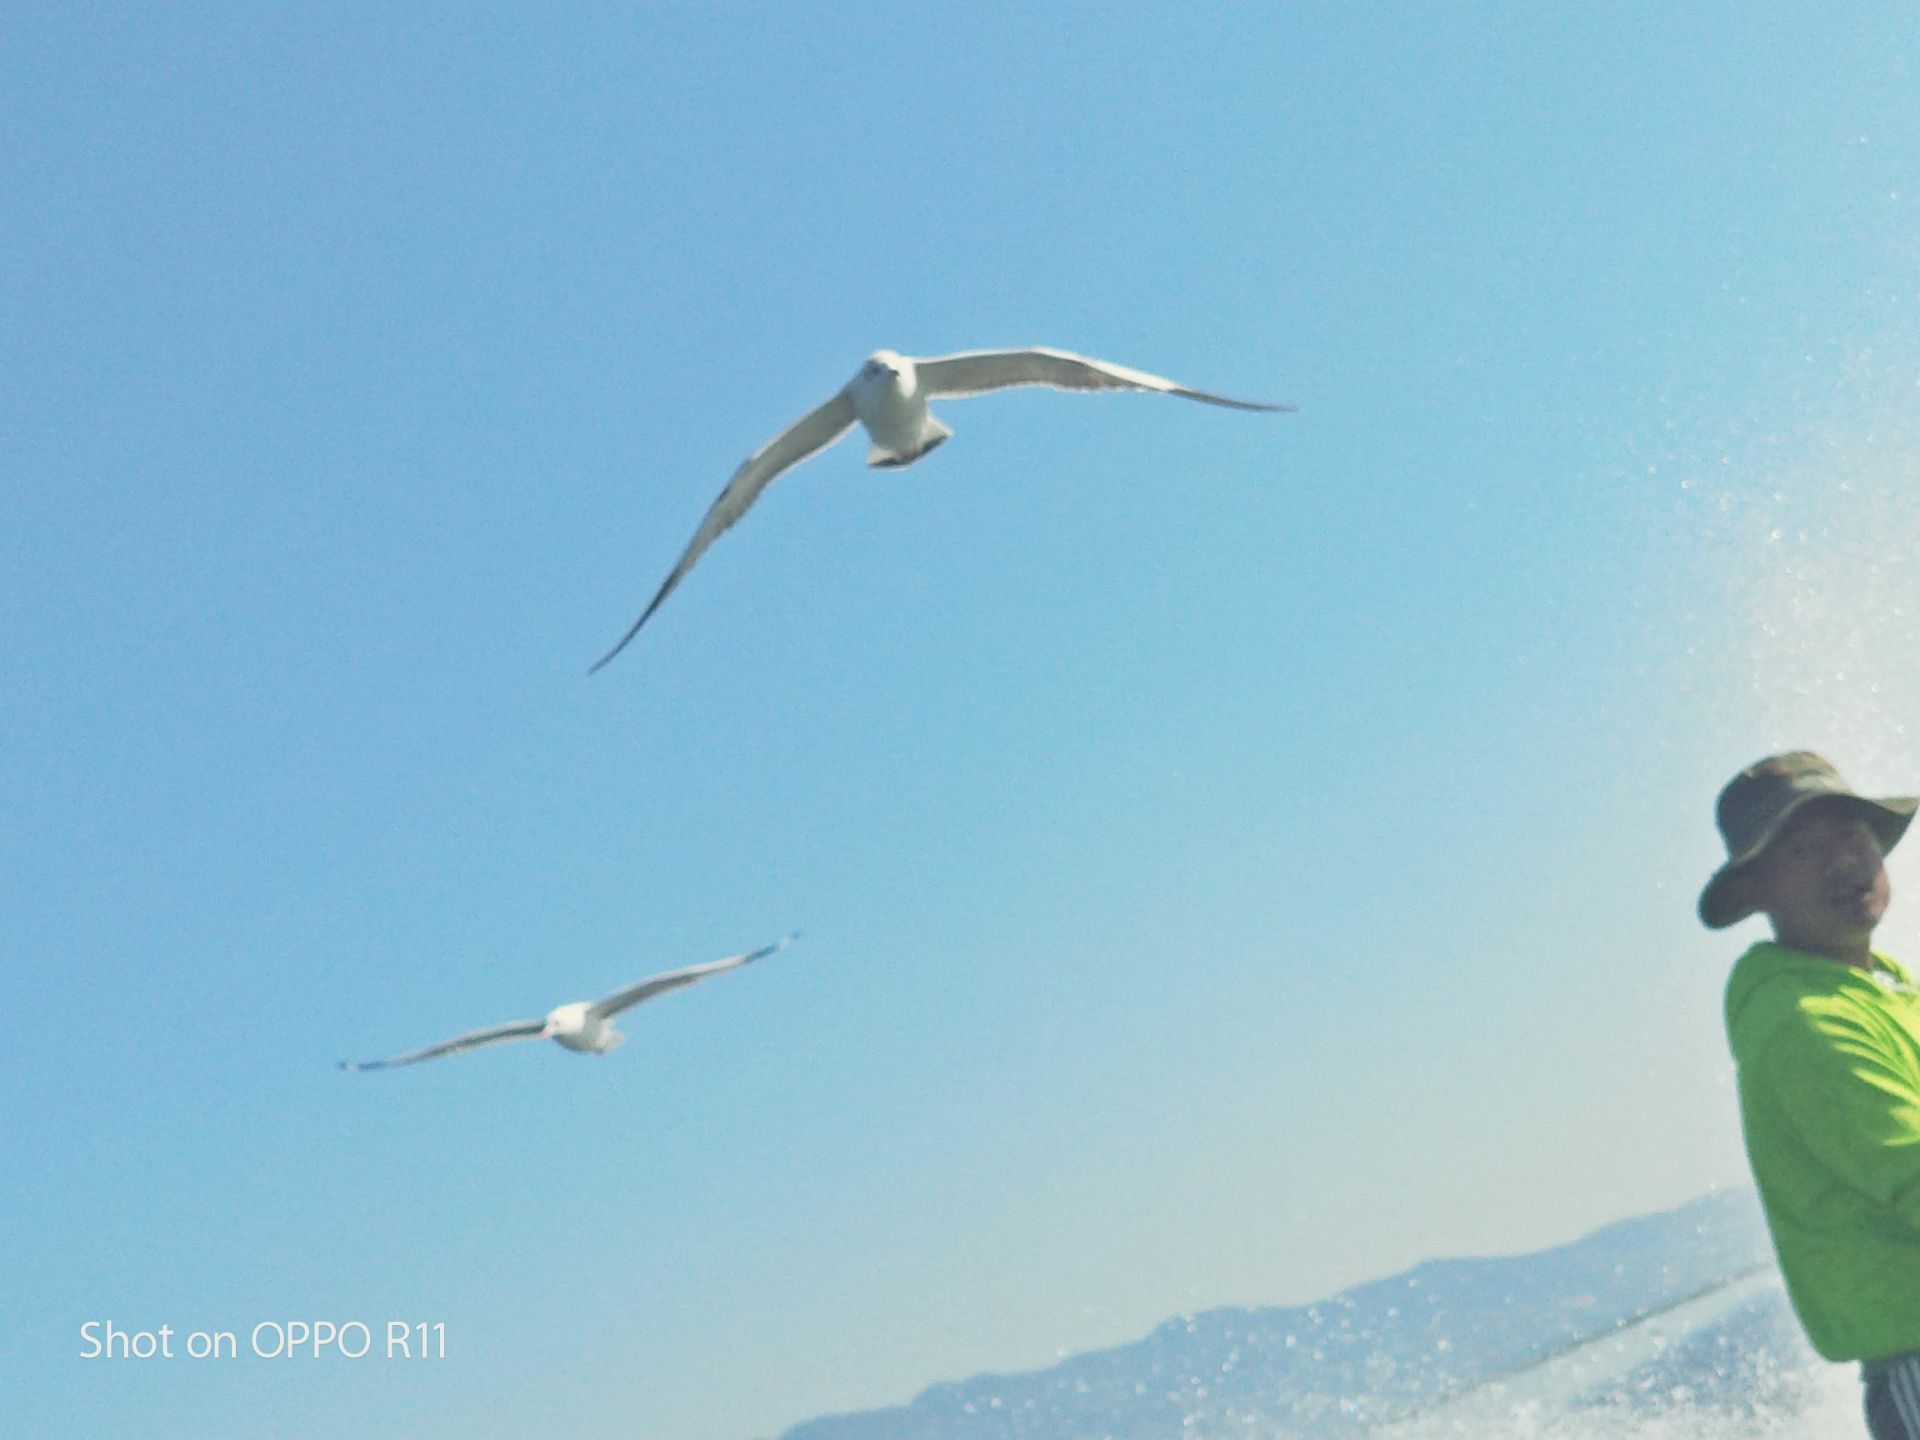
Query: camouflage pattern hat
point(1761, 799)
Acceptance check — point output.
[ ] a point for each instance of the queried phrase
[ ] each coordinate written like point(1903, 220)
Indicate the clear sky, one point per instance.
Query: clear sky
point(1238, 855)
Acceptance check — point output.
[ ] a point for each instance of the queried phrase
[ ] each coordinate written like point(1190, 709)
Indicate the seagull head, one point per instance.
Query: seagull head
point(883, 364)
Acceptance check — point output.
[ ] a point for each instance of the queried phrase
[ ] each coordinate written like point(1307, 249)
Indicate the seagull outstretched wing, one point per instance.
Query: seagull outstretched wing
point(809, 435)
point(973, 372)
point(492, 1035)
point(673, 979)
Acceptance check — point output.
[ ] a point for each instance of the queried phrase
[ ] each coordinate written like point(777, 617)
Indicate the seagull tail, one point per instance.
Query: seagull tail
point(932, 432)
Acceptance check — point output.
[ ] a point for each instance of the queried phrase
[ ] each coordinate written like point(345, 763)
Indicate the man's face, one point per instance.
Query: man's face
point(1823, 881)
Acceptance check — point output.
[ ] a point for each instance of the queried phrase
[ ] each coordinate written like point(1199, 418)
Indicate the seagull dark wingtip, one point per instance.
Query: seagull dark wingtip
point(645, 615)
point(601, 663)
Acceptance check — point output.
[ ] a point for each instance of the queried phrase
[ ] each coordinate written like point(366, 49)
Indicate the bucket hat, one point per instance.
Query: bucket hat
point(1757, 804)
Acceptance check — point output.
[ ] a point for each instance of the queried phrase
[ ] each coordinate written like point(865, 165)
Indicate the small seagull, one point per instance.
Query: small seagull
point(585, 1025)
point(889, 396)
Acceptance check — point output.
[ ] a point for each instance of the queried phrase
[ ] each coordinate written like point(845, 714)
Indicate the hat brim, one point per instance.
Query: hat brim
point(1889, 818)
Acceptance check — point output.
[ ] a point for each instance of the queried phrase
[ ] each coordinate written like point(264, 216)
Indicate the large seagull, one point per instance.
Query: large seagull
point(585, 1025)
point(889, 396)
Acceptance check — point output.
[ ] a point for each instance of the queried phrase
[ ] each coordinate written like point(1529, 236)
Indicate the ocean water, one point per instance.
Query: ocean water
point(1826, 1408)
point(1729, 1364)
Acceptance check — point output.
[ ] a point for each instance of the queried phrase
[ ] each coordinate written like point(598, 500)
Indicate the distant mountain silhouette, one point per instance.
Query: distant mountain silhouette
point(1400, 1347)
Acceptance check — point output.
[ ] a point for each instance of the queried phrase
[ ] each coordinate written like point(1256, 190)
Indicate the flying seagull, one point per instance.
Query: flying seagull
point(889, 396)
point(585, 1025)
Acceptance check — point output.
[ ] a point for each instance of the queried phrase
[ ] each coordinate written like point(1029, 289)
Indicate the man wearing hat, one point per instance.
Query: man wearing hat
point(1826, 1035)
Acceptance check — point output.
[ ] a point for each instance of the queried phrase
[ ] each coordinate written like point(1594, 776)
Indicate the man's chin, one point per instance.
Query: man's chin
point(1869, 910)
point(1853, 923)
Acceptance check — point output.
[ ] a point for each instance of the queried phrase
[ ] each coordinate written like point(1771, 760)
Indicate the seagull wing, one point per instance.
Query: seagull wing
point(808, 435)
point(492, 1035)
point(673, 979)
point(973, 372)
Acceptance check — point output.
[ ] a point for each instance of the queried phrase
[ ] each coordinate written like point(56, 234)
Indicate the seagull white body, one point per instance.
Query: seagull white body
point(579, 1029)
point(583, 1026)
point(889, 399)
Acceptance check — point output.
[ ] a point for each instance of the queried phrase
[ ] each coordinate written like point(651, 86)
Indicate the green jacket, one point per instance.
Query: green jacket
point(1829, 1067)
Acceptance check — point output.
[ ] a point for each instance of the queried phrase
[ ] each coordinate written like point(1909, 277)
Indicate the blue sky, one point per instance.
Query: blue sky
point(1238, 855)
